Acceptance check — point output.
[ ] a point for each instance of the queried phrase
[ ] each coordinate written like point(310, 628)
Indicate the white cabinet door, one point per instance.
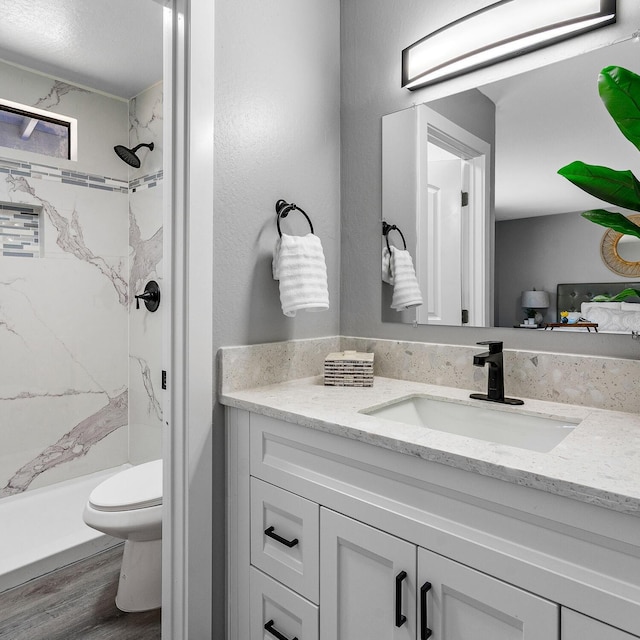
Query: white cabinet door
point(575, 626)
point(464, 604)
point(367, 582)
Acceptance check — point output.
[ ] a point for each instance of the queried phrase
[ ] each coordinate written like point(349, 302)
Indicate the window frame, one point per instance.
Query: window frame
point(47, 116)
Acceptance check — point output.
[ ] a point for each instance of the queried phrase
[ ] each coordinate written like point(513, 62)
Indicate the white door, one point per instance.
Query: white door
point(459, 603)
point(440, 234)
point(575, 626)
point(367, 582)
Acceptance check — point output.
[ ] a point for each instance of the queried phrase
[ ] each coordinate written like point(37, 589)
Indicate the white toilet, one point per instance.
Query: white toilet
point(129, 506)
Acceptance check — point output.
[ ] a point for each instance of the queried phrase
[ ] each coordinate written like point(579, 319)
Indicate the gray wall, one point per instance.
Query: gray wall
point(276, 135)
point(542, 252)
point(374, 32)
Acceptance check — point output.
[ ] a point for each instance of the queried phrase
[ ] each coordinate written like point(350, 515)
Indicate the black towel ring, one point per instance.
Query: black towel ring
point(392, 227)
point(284, 208)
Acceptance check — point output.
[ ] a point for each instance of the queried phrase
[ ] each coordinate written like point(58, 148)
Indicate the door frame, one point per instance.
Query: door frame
point(476, 275)
point(188, 336)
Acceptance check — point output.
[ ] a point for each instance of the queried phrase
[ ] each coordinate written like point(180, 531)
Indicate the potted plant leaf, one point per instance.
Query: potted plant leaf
point(619, 90)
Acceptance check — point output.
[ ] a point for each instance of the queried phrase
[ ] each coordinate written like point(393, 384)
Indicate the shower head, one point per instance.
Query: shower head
point(129, 155)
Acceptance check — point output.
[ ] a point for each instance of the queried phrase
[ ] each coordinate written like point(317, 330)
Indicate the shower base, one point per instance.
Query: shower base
point(42, 530)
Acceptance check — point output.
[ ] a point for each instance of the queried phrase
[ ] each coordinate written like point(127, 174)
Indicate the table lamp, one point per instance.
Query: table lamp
point(535, 300)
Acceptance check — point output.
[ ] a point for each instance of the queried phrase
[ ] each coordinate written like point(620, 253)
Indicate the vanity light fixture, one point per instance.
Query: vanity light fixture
point(502, 30)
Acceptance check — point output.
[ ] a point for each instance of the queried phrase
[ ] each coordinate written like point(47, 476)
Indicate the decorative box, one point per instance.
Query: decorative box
point(348, 369)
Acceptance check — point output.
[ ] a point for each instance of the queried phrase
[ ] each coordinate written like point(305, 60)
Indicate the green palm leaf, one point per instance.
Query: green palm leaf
point(627, 293)
point(612, 220)
point(617, 187)
point(619, 90)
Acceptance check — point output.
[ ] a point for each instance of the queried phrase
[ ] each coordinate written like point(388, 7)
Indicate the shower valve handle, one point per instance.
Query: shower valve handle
point(150, 297)
point(147, 295)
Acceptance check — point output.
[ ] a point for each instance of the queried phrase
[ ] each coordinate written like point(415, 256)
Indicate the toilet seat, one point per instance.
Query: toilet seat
point(139, 487)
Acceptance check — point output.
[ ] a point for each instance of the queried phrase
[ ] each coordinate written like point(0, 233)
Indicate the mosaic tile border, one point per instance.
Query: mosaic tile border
point(19, 231)
point(49, 172)
point(146, 182)
point(77, 178)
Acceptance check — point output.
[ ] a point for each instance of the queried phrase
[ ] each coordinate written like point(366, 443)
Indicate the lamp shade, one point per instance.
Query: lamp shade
point(502, 30)
point(535, 299)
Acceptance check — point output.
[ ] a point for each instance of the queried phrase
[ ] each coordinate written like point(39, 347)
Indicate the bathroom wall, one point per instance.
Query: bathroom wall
point(559, 248)
point(374, 32)
point(276, 135)
point(68, 322)
point(63, 316)
point(145, 263)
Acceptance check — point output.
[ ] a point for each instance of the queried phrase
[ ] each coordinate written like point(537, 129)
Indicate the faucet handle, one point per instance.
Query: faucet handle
point(495, 346)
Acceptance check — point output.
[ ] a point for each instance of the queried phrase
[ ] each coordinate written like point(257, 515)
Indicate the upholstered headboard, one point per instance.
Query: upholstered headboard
point(571, 296)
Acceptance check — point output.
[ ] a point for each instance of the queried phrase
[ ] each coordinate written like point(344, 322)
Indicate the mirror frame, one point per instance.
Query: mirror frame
point(611, 257)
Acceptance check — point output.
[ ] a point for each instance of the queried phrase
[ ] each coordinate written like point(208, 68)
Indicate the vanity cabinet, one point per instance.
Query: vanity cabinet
point(335, 539)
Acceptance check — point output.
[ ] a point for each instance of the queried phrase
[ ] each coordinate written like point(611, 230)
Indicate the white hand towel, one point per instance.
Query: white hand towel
point(406, 291)
point(299, 265)
point(386, 266)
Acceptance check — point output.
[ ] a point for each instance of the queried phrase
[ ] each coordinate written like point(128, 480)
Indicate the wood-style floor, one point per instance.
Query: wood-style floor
point(75, 603)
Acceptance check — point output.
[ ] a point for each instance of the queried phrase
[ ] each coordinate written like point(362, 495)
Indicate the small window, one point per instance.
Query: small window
point(29, 129)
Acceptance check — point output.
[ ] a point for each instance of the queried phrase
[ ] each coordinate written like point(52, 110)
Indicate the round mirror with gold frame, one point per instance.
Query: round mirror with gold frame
point(620, 252)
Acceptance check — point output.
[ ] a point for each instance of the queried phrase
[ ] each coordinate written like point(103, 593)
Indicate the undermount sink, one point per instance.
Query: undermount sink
point(484, 422)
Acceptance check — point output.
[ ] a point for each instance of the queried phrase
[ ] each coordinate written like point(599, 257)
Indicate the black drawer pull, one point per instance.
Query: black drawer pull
point(400, 619)
point(425, 632)
point(275, 632)
point(287, 543)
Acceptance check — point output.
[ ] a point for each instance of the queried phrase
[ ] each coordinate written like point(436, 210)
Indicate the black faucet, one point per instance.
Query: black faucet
point(493, 357)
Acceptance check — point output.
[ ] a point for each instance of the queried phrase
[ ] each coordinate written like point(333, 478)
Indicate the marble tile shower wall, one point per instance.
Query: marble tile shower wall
point(64, 316)
point(145, 263)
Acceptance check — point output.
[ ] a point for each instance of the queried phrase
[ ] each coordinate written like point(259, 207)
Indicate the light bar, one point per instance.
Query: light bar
point(500, 31)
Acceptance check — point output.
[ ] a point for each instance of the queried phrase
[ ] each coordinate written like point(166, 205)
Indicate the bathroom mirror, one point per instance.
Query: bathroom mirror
point(533, 124)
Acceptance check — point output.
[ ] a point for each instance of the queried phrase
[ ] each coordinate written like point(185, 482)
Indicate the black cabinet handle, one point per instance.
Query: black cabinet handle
point(287, 543)
point(400, 619)
point(425, 632)
point(275, 632)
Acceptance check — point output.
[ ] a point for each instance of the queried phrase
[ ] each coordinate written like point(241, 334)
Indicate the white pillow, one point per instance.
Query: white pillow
point(607, 318)
point(600, 305)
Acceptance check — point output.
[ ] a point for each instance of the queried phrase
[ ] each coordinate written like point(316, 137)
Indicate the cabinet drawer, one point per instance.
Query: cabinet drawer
point(285, 537)
point(286, 613)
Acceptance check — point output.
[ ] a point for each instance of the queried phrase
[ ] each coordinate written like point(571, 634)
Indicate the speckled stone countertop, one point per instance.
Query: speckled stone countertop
point(597, 463)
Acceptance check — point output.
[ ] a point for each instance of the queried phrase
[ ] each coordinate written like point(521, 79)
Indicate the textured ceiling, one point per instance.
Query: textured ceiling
point(111, 45)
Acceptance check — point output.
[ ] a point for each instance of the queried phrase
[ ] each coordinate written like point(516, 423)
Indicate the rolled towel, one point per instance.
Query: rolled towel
point(406, 291)
point(300, 268)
